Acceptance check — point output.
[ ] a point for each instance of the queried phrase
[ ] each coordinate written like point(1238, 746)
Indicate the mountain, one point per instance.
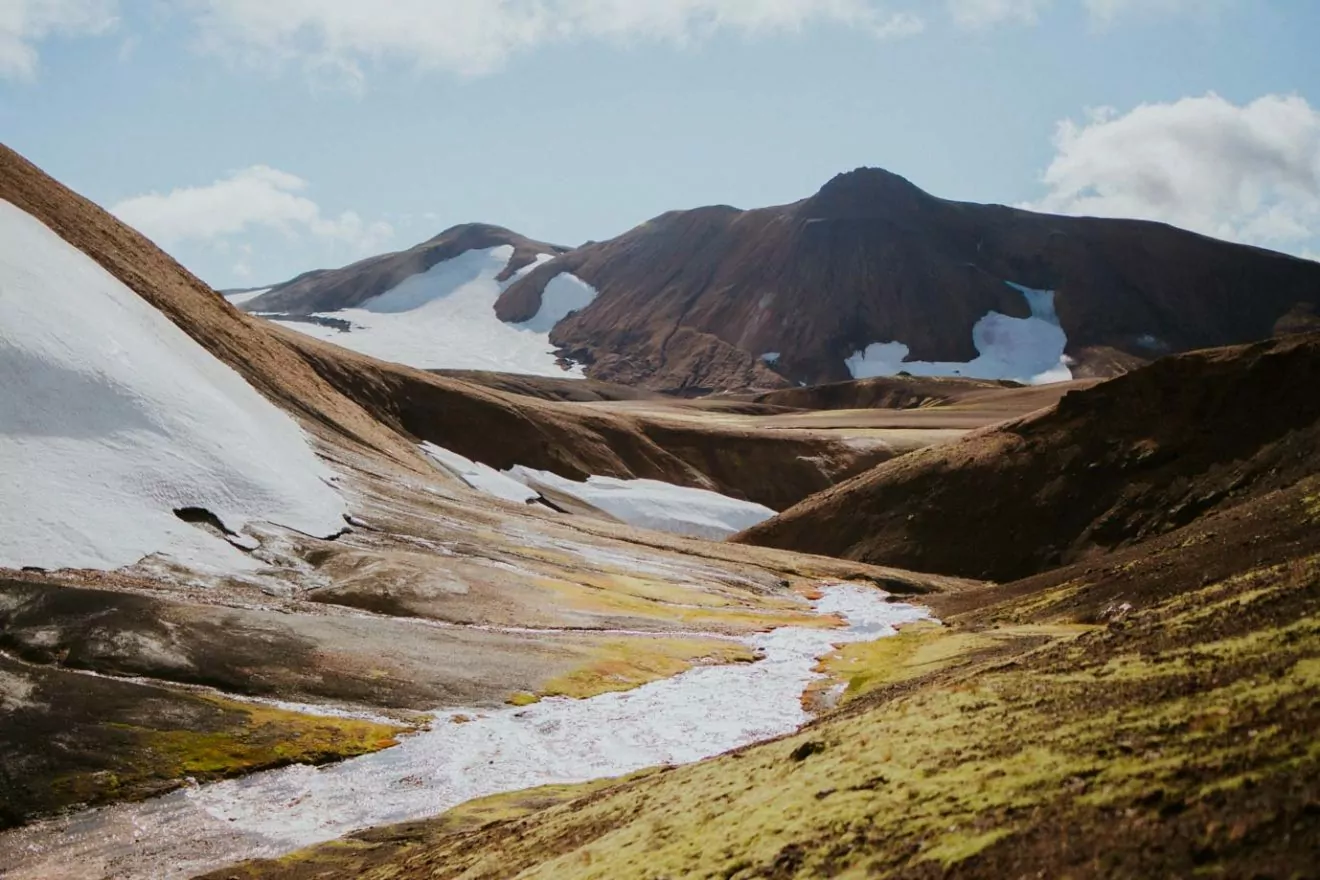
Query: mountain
point(433, 306)
point(331, 290)
point(1107, 467)
point(872, 276)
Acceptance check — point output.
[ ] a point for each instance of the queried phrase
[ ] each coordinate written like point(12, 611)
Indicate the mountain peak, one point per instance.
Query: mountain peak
point(866, 192)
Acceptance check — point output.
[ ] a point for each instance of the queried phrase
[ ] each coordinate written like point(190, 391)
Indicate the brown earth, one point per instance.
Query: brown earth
point(1107, 467)
point(329, 290)
point(690, 300)
point(1003, 398)
point(1148, 712)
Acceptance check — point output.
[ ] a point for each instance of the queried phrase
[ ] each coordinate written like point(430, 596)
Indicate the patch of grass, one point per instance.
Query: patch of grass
point(624, 664)
point(240, 738)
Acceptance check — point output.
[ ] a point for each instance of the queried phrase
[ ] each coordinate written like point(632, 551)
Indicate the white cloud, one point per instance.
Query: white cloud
point(987, 13)
point(977, 14)
point(474, 37)
point(24, 23)
point(1247, 173)
point(254, 198)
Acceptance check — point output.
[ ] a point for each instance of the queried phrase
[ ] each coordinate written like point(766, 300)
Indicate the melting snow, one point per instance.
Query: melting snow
point(112, 418)
point(1027, 350)
point(701, 713)
point(652, 504)
point(771, 357)
point(564, 295)
point(246, 296)
point(444, 318)
point(479, 476)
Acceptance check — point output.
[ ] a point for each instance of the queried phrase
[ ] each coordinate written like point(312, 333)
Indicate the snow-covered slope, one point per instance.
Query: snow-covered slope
point(112, 418)
point(651, 504)
point(444, 318)
point(1027, 350)
point(481, 477)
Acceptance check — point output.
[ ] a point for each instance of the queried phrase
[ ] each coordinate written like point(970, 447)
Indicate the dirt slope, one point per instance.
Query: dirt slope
point(1107, 467)
point(1146, 713)
point(691, 299)
point(328, 290)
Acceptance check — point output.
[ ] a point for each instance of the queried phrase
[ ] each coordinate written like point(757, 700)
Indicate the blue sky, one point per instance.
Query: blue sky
point(255, 139)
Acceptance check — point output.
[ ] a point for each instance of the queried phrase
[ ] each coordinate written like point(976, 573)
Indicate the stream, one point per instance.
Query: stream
point(695, 715)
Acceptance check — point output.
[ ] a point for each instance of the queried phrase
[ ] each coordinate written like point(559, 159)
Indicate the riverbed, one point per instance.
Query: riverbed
point(467, 753)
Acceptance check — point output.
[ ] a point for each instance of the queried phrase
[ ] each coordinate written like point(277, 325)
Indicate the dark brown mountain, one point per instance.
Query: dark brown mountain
point(328, 290)
point(691, 300)
point(1123, 462)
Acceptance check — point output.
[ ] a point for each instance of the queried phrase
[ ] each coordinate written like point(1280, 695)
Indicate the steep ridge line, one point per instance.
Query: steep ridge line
point(691, 301)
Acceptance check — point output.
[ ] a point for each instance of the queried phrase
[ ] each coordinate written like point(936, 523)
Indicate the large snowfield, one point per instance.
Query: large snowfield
point(651, 504)
point(647, 504)
point(703, 712)
point(1029, 350)
point(112, 418)
point(444, 318)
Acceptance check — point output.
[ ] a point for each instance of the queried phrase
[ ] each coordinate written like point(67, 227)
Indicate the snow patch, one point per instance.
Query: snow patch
point(481, 477)
point(1029, 350)
point(239, 299)
point(771, 357)
point(112, 418)
point(652, 504)
point(444, 318)
point(563, 295)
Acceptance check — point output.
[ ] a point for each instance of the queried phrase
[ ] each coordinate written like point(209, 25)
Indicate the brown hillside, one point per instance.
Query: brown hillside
point(691, 299)
point(1119, 463)
point(328, 290)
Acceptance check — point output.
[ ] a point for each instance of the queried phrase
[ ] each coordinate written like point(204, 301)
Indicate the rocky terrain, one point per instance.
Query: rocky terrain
point(1142, 708)
point(720, 298)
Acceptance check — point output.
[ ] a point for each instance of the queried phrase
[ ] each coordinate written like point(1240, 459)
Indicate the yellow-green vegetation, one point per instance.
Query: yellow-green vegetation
point(236, 738)
point(1174, 735)
point(922, 649)
point(1312, 505)
point(682, 606)
point(267, 737)
point(623, 664)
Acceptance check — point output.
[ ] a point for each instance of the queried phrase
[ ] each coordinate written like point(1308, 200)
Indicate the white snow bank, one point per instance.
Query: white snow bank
point(701, 713)
point(771, 357)
point(112, 418)
point(246, 296)
point(1029, 350)
point(652, 504)
point(479, 476)
point(563, 295)
point(444, 318)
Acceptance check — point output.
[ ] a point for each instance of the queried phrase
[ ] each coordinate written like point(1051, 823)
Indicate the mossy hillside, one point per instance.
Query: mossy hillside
point(89, 740)
point(626, 663)
point(1177, 740)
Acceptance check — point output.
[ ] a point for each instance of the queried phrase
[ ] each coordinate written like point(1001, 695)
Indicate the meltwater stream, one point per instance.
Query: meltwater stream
point(700, 713)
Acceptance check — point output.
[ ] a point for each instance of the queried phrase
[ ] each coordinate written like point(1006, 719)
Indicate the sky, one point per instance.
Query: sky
point(256, 139)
